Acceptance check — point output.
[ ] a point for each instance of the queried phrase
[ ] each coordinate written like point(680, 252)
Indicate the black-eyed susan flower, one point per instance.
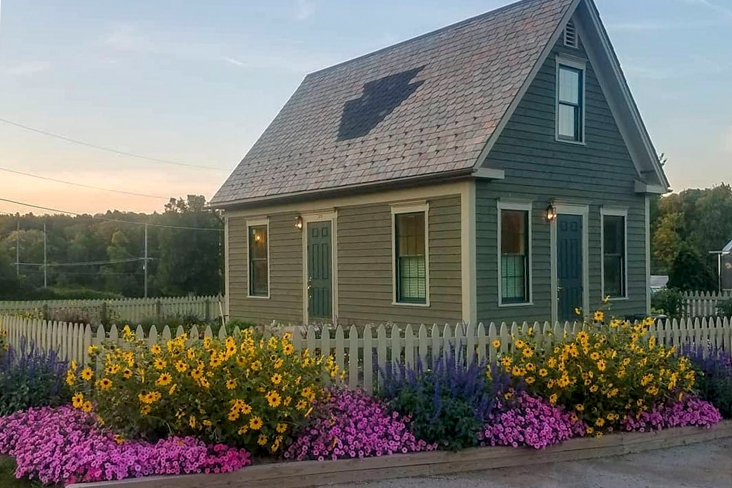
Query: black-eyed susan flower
point(87, 374)
point(230, 384)
point(496, 344)
point(159, 364)
point(255, 423)
point(288, 349)
point(276, 379)
point(156, 349)
point(87, 406)
point(105, 384)
point(77, 400)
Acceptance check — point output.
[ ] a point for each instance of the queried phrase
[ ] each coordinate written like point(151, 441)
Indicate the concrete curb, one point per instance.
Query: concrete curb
point(316, 473)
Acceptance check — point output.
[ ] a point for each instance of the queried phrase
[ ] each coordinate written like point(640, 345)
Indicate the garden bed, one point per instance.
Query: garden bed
point(314, 473)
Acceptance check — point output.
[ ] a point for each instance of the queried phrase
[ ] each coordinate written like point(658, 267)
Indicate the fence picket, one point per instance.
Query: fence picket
point(353, 358)
point(368, 359)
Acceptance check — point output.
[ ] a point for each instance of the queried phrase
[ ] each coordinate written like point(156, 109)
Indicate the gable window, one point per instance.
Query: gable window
point(614, 253)
point(258, 232)
point(570, 101)
point(411, 267)
point(514, 253)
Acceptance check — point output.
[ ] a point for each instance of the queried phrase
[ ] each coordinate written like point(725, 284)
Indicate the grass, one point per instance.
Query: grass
point(7, 476)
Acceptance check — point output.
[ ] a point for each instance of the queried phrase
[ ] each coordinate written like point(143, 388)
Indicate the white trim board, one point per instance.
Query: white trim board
point(423, 207)
point(307, 218)
point(258, 222)
point(523, 206)
point(584, 212)
point(227, 264)
point(468, 253)
point(614, 212)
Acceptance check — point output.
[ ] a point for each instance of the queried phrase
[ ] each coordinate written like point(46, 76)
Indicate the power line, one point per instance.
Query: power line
point(104, 148)
point(31, 175)
point(87, 263)
point(40, 207)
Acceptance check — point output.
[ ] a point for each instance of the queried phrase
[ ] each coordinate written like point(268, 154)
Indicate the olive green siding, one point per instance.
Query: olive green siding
point(285, 261)
point(539, 169)
point(366, 270)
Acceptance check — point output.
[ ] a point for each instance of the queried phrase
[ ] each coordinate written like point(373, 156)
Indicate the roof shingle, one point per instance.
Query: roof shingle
point(422, 107)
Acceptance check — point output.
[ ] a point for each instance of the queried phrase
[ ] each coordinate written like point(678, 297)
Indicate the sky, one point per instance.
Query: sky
point(196, 83)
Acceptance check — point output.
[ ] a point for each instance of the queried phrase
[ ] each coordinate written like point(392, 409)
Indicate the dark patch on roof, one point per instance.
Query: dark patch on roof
point(422, 108)
point(379, 99)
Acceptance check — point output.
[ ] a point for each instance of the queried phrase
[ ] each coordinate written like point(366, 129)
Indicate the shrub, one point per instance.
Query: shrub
point(246, 392)
point(714, 376)
point(31, 377)
point(447, 401)
point(64, 445)
point(605, 373)
point(352, 424)
point(725, 308)
point(523, 420)
point(668, 302)
point(686, 412)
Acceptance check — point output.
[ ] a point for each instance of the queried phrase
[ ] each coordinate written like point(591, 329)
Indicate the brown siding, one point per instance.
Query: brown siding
point(365, 267)
point(285, 247)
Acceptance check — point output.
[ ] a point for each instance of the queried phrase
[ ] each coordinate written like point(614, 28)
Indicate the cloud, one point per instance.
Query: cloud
point(304, 9)
point(29, 68)
point(233, 61)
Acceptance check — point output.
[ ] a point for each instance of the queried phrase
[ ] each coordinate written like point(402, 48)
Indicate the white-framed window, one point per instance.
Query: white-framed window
point(570, 100)
point(258, 258)
point(614, 248)
point(410, 252)
point(514, 253)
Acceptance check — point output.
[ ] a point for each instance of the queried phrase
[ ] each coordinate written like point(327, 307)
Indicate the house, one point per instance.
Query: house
point(494, 170)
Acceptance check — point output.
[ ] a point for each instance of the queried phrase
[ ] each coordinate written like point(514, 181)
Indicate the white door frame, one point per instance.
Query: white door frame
point(314, 217)
point(584, 212)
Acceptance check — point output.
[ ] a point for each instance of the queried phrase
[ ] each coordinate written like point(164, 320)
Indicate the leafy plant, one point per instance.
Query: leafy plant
point(606, 373)
point(668, 302)
point(714, 376)
point(31, 377)
point(725, 308)
point(447, 400)
point(245, 391)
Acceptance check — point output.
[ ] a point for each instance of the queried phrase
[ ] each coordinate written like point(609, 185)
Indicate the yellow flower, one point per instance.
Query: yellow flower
point(233, 415)
point(530, 367)
point(192, 421)
point(145, 410)
point(530, 380)
point(601, 365)
point(191, 354)
point(288, 349)
point(595, 356)
point(599, 316)
point(543, 372)
point(70, 378)
point(256, 365)
point(278, 363)
point(600, 422)
point(594, 388)
point(274, 399)
point(230, 384)
point(92, 350)
point(246, 409)
point(553, 398)
point(508, 395)
point(519, 343)
point(301, 405)
point(255, 423)
point(516, 371)
point(281, 428)
point(119, 439)
point(127, 374)
point(87, 374)
point(105, 384)
point(496, 344)
point(164, 380)
point(579, 407)
point(528, 352)
point(159, 364)
point(276, 379)
point(506, 361)
point(172, 390)
point(589, 430)
point(156, 349)
point(181, 366)
point(578, 311)
point(77, 400)
point(262, 440)
point(87, 406)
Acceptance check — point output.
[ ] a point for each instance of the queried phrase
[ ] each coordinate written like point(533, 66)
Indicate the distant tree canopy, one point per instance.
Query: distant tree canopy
point(182, 260)
point(685, 227)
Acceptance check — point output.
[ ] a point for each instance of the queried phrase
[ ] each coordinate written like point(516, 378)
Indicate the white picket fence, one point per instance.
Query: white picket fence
point(362, 351)
point(132, 310)
point(703, 304)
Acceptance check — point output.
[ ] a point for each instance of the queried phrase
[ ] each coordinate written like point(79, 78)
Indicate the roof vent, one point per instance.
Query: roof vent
point(570, 35)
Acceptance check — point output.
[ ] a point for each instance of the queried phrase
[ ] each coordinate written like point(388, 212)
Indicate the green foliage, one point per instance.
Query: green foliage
point(668, 302)
point(725, 308)
point(689, 272)
point(242, 324)
point(8, 479)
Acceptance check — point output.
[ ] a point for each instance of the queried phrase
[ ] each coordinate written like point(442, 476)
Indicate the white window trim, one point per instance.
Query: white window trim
point(614, 212)
point(518, 206)
point(584, 212)
point(403, 209)
point(579, 64)
point(258, 222)
point(307, 218)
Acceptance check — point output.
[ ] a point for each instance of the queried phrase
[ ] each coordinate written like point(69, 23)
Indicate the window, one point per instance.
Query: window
point(514, 253)
point(258, 259)
point(614, 254)
point(410, 254)
point(570, 101)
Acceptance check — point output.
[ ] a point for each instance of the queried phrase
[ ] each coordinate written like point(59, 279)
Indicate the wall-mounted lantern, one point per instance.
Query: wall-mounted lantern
point(298, 222)
point(551, 212)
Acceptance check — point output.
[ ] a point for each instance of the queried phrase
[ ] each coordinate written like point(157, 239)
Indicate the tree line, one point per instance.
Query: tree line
point(102, 255)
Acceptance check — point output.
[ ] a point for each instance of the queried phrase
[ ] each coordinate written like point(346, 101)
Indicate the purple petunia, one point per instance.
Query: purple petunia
point(529, 421)
point(690, 411)
point(352, 424)
point(64, 445)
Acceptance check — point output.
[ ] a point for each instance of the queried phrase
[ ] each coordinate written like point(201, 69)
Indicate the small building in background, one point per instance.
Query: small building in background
point(725, 268)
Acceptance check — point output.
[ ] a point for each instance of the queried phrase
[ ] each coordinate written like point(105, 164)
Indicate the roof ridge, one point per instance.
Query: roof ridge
point(446, 28)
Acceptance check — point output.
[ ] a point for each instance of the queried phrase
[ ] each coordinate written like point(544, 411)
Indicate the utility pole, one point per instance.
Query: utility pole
point(146, 261)
point(17, 250)
point(45, 258)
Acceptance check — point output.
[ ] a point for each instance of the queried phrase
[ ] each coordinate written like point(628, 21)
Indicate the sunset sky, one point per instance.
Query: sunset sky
point(197, 82)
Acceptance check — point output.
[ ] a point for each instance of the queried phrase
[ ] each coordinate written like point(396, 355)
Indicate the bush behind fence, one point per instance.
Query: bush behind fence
point(361, 351)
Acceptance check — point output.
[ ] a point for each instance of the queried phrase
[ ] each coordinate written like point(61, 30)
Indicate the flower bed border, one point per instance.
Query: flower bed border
point(313, 473)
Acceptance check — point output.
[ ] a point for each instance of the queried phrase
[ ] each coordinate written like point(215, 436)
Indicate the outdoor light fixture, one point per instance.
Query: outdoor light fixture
point(298, 223)
point(551, 212)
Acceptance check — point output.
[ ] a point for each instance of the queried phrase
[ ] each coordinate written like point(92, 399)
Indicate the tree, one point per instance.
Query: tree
point(689, 272)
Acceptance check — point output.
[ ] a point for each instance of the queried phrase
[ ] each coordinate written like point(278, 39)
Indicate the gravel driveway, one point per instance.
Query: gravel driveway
point(707, 465)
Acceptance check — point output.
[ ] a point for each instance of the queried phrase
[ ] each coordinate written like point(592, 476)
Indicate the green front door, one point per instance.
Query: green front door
point(320, 276)
point(569, 265)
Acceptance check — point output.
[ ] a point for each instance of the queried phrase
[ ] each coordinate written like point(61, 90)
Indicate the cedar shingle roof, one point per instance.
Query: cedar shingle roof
point(423, 107)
